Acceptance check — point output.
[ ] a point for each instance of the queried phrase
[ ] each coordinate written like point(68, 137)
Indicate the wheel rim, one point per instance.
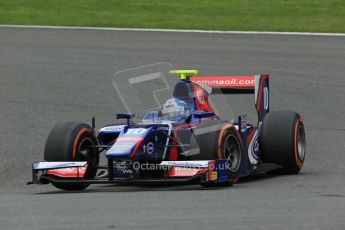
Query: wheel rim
point(84, 152)
point(232, 153)
point(301, 142)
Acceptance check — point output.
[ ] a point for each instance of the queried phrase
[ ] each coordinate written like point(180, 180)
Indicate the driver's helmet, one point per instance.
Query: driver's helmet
point(176, 110)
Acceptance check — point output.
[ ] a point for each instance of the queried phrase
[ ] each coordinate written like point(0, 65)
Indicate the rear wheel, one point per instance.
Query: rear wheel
point(72, 141)
point(282, 140)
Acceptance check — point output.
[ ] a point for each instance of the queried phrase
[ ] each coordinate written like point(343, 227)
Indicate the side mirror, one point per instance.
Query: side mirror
point(127, 116)
point(203, 114)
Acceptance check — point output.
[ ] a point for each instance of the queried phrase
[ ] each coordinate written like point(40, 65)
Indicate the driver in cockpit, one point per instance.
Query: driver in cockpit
point(175, 110)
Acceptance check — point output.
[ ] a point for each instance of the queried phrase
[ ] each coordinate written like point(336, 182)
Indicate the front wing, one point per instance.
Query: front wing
point(208, 171)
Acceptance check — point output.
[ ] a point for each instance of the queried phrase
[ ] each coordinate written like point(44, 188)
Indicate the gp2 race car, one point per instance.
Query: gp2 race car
point(185, 141)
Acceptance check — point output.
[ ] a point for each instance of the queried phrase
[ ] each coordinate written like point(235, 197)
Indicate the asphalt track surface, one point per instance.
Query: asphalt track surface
point(51, 75)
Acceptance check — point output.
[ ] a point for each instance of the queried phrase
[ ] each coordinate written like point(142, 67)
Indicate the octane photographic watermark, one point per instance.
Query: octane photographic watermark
point(146, 88)
point(137, 166)
point(166, 165)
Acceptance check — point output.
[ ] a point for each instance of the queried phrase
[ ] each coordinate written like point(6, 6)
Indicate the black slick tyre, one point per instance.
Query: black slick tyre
point(73, 141)
point(282, 141)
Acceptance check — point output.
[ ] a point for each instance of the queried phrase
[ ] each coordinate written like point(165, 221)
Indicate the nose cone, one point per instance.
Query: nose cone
point(124, 147)
point(121, 149)
point(128, 142)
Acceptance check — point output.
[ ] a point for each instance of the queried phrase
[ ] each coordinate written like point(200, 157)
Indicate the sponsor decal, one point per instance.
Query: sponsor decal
point(150, 148)
point(171, 106)
point(214, 176)
point(164, 128)
point(112, 128)
point(225, 81)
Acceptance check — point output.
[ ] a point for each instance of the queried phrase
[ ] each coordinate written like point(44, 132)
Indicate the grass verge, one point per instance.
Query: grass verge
point(258, 15)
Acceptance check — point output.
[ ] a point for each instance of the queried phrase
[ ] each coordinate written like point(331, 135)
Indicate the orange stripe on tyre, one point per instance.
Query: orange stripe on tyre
point(224, 128)
point(298, 161)
point(220, 139)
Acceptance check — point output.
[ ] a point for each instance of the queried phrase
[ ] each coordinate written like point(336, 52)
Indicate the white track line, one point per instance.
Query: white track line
point(173, 30)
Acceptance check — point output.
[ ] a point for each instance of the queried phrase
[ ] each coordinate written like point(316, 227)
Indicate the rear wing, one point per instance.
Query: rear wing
point(255, 84)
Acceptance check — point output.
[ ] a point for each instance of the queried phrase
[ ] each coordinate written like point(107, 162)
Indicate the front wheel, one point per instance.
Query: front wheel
point(73, 141)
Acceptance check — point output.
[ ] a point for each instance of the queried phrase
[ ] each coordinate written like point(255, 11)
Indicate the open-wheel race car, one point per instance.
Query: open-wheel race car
point(184, 141)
